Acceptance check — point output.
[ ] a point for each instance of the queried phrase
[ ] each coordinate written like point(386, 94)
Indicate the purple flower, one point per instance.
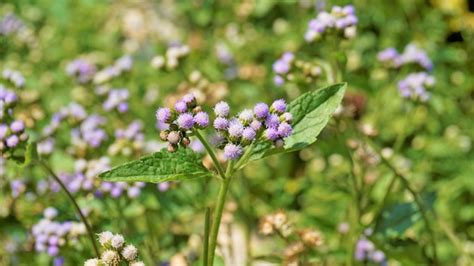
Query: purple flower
point(53, 251)
point(256, 125)
point(189, 98)
point(221, 109)
point(246, 116)
point(232, 151)
point(133, 192)
point(220, 123)
point(12, 141)
point(235, 128)
point(279, 106)
point(278, 80)
point(272, 121)
point(284, 130)
point(164, 186)
point(180, 106)
point(185, 121)
point(272, 134)
point(261, 110)
point(287, 117)
point(122, 107)
point(201, 119)
point(58, 261)
point(378, 256)
point(288, 57)
point(163, 115)
point(50, 213)
point(3, 131)
point(281, 67)
point(389, 54)
point(249, 134)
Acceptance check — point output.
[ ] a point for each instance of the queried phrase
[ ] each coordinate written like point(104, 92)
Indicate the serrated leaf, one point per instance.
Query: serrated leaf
point(397, 218)
point(159, 167)
point(311, 112)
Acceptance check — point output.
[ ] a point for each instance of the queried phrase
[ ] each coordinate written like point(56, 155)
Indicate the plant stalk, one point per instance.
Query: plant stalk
point(76, 206)
point(216, 222)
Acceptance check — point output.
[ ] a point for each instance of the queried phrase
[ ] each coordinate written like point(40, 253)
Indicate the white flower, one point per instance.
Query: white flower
point(105, 238)
point(92, 262)
point(137, 263)
point(117, 241)
point(110, 257)
point(129, 252)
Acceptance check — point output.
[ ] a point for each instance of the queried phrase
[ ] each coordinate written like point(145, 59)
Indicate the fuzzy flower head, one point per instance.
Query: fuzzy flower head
point(232, 151)
point(129, 252)
point(221, 123)
point(117, 241)
point(105, 238)
point(261, 110)
point(222, 109)
point(201, 119)
point(163, 115)
point(185, 121)
point(279, 106)
point(110, 257)
point(246, 116)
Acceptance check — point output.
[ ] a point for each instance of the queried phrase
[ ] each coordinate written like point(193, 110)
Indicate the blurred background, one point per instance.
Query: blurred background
point(92, 73)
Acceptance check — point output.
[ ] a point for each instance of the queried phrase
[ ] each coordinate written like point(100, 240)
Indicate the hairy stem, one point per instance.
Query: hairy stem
point(216, 222)
point(76, 206)
point(211, 153)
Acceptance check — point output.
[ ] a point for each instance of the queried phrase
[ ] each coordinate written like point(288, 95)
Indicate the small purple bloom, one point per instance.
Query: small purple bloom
point(180, 107)
point(261, 110)
point(284, 130)
point(188, 98)
point(12, 141)
point(256, 125)
point(133, 192)
point(3, 131)
point(249, 134)
point(272, 134)
point(246, 116)
point(221, 109)
point(232, 151)
point(185, 121)
point(122, 107)
point(220, 123)
point(58, 261)
point(279, 106)
point(278, 80)
point(378, 256)
point(272, 121)
point(17, 126)
point(235, 128)
point(201, 119)
point(53, 251)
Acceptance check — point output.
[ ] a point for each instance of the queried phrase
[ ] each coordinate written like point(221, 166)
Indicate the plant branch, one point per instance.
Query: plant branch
point(76, 206)
point(211, 153)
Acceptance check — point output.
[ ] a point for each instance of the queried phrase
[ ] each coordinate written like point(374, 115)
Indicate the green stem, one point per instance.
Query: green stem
point(218, 212)
point(384, 201)
point(211, 153)
point(418, 201)
point(243, 160)
point(205, 251)
point(76, 206)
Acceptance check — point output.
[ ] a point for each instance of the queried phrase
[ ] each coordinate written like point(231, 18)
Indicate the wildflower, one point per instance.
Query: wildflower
point(163, 115)
point(185, 121)
point(220, 123)
point(105, 238)
point(117, 241)
point(129, 252)
point(92, 262)
point(110, 257)
point(232, 151)
point(261, 110)
point(222, 109)
point(414, 86)
point(201, 119)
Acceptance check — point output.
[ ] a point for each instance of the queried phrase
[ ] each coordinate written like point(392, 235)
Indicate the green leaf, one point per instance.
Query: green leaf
point(159, 167)
point(311, 112)
point(397, 218)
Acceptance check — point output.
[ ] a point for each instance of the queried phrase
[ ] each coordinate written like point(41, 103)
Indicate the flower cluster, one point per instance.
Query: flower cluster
point(365, 251)
point(121, 65)
point(116, 253)
point(340, 20)
point(269, 123)
point(50, 235)
point(128, 140)
point(15, 77)
point(276, 222)
point(283, 69)
point(183, 118)
point(82, 70)
point(12, 132)
point(414, 86)
point(89, 132)
point(73, 112)
point(117, 99)
point(116, 189)
point(411, 55)
point(17, 187)
point(171, 59)
point(10, 24)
